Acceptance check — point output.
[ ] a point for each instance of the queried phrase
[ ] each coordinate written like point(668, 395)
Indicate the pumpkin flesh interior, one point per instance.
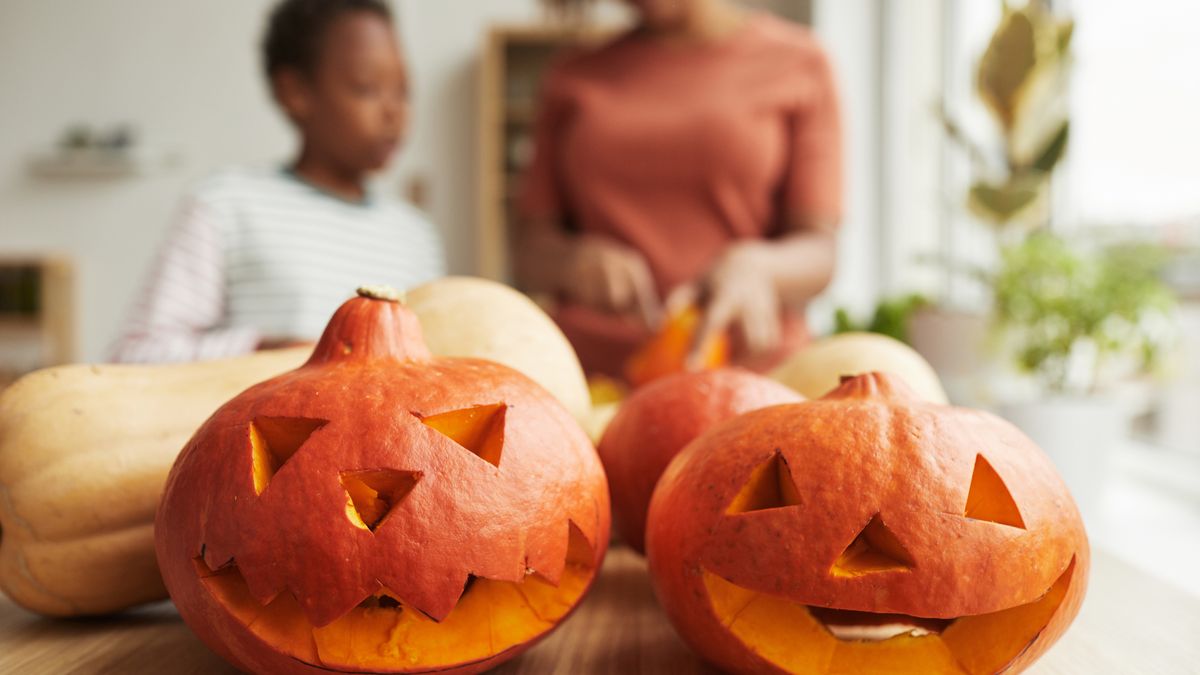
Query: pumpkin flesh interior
point(384, 634)
point(273, 441)
point(791, 636)
point(370, 495)
point(479, 429)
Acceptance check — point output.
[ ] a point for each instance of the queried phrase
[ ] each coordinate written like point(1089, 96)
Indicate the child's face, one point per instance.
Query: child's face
point(353, 108)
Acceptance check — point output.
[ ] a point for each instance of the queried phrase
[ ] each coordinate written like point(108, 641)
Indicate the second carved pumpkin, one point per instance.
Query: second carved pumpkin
point(866, 532)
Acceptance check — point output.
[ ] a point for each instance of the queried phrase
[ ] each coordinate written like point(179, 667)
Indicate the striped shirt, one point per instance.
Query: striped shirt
point(260, 255)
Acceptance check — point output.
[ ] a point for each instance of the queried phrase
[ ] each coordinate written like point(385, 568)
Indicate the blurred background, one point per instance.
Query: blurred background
point(1021, 200)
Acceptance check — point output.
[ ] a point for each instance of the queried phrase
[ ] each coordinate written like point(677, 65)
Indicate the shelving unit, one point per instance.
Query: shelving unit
point(37, 314)
point(514, 60)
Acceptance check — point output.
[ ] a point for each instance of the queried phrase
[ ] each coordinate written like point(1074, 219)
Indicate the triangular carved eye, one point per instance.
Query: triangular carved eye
point(874, 549)
point(770, 486)
point(373, 494)
point(989, 499)
point(479, 429)
point(273, 441)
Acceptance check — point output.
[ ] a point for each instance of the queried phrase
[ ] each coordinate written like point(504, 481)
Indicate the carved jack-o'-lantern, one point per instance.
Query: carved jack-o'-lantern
point(381, 510)
point(866, 532)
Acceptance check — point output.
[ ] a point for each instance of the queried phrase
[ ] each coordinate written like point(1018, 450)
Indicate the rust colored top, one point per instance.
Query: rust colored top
point(681, 150)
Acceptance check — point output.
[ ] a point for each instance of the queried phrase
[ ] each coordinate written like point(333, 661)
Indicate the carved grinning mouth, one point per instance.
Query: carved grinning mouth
point(384, 633)
point(845, 624)
point(806, 638)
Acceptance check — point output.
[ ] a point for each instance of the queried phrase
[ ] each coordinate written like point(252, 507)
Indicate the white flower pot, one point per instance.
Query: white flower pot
point(953, 342)
point(1179, 417)
point(1080, 435)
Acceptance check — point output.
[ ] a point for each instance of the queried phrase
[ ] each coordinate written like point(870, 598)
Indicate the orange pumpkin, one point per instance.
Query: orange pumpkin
point(866, 532)
point(658, 420)
point(382, 510)
point(667, 351)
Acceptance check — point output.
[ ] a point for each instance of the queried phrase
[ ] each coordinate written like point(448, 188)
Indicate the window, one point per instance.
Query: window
point(1135, 101)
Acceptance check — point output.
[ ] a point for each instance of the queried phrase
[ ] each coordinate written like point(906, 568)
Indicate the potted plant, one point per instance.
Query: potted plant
point(892, 317)
point(1021, 80)
point(1079, 321)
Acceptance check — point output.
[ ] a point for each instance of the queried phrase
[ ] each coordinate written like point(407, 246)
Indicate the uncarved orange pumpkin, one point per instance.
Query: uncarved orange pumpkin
point(382, 510)
point(658, 420)
point(866, 532)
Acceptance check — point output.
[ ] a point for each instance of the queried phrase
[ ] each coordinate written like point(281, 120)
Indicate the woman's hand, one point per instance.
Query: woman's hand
point(611, 276)
point(741, 291)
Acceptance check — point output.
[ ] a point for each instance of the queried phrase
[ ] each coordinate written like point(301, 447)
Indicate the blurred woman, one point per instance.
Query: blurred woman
point(696, 156)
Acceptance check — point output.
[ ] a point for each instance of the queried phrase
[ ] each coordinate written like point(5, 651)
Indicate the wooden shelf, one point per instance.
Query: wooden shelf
point(99, 163)
point(16, 323)
point(514, 60)
point(39, 330)
point(520, 113)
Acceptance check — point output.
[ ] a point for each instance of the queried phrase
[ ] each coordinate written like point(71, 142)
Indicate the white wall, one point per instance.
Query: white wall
point(187, 75)
point(1134, 104)
point(182, 72)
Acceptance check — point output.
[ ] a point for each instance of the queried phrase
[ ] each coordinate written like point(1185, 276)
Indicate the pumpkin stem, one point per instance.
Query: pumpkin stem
point(872, 385)
point(374, 325)
point(380, 292)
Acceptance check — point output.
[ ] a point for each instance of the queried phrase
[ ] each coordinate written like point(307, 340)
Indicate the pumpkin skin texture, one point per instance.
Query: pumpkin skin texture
point(78, 437)
point(866, 531)
point(818, 368)
point(382, 510)
point(658, 420)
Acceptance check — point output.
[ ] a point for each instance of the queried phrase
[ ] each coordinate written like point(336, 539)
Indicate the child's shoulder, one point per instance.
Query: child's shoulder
point(234, 184)
point(386, 207)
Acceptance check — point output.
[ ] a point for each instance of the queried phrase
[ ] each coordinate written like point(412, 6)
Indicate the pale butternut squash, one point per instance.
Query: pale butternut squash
point(484, 319)
point(84, 453)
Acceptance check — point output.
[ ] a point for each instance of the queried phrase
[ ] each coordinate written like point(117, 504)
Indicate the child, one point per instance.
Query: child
point(262, 257)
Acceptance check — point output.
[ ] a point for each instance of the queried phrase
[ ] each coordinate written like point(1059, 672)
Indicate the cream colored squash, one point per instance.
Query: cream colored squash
point(468, 316)
point(818, 368)
point(84, 452)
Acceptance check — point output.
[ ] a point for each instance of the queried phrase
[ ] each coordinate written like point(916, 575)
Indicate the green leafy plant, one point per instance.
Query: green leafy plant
point(1021, 79)
point(1067, 312)
point(891, 317)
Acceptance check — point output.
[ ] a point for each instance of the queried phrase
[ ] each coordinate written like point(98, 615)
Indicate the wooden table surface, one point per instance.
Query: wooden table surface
point(1130, 623)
